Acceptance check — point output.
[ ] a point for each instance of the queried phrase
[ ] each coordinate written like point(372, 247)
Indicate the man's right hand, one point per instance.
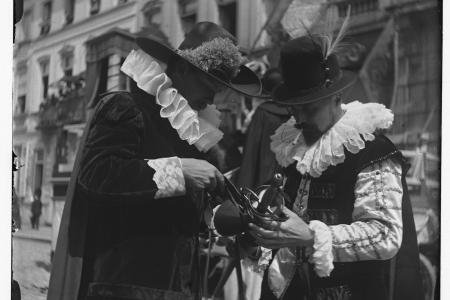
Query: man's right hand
point(200, 174)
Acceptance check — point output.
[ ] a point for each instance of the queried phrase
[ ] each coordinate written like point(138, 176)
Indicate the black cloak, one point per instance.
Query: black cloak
point(115, 238)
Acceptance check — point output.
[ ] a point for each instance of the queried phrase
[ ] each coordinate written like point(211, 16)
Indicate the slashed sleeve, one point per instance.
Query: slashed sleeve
point(376, 230)
point(111, 166)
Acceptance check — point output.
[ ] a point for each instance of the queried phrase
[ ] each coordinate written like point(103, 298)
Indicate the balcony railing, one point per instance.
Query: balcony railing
point(361, 7)
point(358, 6)
point(68, 107)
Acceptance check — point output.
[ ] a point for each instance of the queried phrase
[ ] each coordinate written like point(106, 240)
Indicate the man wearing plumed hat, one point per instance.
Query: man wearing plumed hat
point(137, 197)
point(350, 232)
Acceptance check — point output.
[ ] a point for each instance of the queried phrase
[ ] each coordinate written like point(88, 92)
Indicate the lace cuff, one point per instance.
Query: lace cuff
point(259, 266)
point(265, 258)
point(168, 177)
point(322, 257)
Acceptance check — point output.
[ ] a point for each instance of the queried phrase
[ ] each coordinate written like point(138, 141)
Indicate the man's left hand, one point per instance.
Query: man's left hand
point(293, 232)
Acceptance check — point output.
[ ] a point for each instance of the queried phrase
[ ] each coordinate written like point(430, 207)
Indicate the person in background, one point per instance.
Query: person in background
point(36, 209)
point(258, 162)
point(257, 168)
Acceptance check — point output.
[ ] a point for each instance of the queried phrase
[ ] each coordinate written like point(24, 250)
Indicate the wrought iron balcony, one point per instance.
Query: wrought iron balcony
point(362, 7)
point(68, 107)
point(358, 6)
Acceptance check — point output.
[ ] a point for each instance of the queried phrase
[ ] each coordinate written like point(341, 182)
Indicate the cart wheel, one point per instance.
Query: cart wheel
point(428, 274)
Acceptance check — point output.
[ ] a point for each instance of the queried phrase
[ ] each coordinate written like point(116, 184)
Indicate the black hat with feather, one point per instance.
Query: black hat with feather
point(310, 68)
point(212, 50)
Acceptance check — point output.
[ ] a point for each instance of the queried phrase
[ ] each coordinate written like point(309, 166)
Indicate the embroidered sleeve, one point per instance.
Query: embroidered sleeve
point(168, 177)
point(376, 231)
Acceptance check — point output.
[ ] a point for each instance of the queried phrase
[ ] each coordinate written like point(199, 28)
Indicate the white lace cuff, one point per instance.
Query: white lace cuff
point(322, 256)
point(261, 265)
point(265, 258)
point(168, 177)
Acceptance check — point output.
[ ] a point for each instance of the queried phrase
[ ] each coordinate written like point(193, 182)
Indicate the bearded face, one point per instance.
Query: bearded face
point(311, 132)
point(316, 118)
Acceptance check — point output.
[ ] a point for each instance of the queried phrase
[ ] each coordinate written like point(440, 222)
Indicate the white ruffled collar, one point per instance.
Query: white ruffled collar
point(197, 128)
point(356, 126)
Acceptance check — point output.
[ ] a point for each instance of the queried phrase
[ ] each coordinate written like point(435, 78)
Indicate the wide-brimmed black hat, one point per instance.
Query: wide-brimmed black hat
point(242, 80)
point(309, 74)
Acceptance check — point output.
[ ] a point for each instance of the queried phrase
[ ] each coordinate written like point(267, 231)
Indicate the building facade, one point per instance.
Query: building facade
point(49, 46)
point(67, 52)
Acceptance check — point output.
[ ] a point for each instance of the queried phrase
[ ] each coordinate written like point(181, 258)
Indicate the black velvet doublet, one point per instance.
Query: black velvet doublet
point(331, 200)
point(127, 244)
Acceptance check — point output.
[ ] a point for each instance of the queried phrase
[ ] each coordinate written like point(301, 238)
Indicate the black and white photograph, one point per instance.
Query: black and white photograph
point(225, 150)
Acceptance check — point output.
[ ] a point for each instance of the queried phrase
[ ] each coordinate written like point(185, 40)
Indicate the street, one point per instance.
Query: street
point(31, 264)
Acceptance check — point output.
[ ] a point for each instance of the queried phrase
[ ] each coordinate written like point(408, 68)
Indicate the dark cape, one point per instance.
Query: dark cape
point(115, 239)
point(258, 162)
point(331, 200)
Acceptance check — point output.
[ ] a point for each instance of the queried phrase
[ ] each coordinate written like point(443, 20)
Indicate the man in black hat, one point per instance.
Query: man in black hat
point(258, 161)
point(350, 232)
point(137, 197)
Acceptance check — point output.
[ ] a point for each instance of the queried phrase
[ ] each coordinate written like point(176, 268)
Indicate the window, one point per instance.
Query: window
point(46, 17)
point(115, 78)
point(188, 14)
point(152, 12)
point(227, 15)
point(67, 65)
point(21, 72)
point(102, 86)
point(95, 7)
point(21, 104)
point(188, 22)
point(26, 21)
point(122, 77)
point(44, 64)
point(45, 85)
point(38, 168)
point(66, 54)
point(70, 10)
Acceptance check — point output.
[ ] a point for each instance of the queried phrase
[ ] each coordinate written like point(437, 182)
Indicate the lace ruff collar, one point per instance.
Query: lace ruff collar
point(197, 128)
point(355, 127)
